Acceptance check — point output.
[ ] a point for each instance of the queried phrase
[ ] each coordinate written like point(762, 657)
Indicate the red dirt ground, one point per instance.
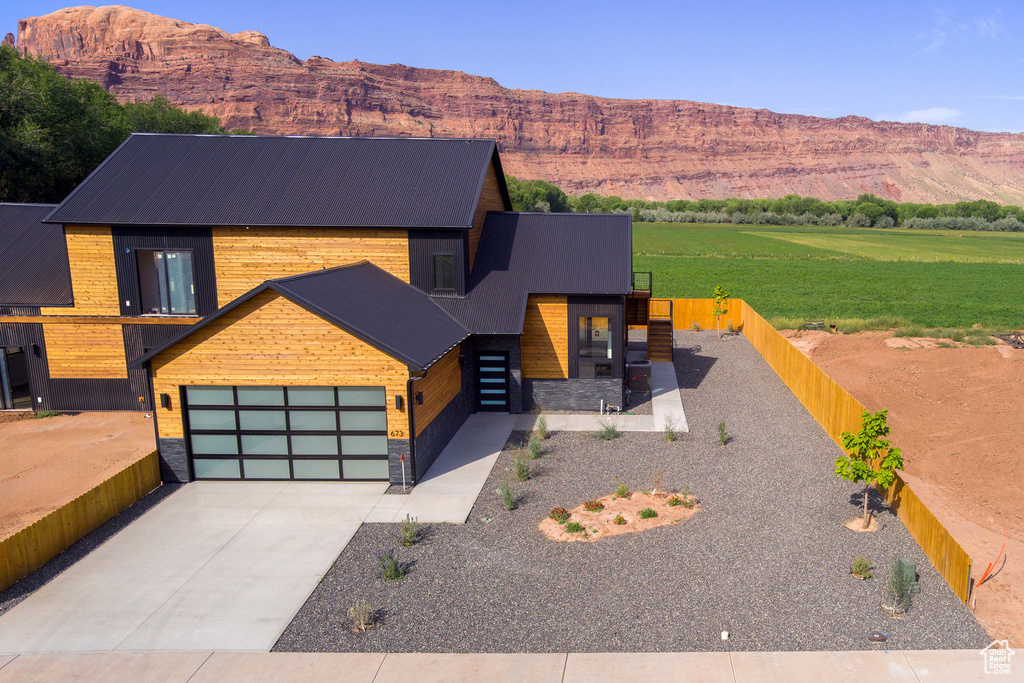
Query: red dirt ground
point(958, 415)
point(47, 462)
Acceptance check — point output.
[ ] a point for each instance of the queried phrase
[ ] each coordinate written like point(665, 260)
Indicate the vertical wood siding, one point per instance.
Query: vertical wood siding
point(545, 340)
point(268, 340)
point(442, 384)
point(93, 278)
point(245, 258)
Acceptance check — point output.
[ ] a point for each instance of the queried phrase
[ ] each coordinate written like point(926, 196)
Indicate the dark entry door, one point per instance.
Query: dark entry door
point(492, 381)
point(14, 389)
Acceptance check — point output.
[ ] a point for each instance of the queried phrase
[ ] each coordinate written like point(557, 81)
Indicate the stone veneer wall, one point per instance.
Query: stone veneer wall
point(572, 394)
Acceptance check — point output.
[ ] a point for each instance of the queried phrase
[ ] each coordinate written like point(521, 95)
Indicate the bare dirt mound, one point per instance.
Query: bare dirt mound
point(958, 414)
point(45, 463)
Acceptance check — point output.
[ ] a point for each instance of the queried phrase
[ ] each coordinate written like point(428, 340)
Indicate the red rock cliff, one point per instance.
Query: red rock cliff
point(653, 149)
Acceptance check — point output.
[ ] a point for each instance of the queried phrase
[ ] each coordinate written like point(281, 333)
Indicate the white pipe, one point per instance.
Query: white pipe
point(602, 406)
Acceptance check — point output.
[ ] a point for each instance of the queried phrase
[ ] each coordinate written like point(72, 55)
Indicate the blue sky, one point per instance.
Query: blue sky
point(956, 63)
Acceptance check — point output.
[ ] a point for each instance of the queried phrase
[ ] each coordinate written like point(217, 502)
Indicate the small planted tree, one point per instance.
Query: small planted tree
point(872, 460)
point(721, 299)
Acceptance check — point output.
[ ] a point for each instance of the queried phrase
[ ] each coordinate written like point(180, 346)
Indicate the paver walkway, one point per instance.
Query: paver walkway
point(922, 666)
point(216, 566)
point(666, 404)
point(450, 487)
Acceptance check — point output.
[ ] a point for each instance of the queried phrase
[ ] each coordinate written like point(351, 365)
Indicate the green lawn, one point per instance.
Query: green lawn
point(929, 278)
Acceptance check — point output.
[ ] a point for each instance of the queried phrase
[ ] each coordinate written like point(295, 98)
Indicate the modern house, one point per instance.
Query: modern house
point(310, 308)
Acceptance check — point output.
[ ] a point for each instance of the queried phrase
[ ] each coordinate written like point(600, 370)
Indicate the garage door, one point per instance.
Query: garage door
point(316, 433)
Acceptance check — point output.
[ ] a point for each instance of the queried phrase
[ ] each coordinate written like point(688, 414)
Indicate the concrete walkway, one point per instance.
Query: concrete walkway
point(215, 566)
point(666, 404)
point(450, 487)
point(938, 666)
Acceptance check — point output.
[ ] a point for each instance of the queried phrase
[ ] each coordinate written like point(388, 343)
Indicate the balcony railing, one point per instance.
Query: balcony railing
point(661, 308)
point(642, 281)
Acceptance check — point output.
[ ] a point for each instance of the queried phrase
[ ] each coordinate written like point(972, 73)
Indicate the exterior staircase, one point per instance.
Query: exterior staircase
point(659, 339)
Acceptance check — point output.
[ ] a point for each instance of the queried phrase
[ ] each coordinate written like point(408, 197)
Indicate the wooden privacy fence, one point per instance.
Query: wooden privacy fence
point(35, 545)
point(686, 312)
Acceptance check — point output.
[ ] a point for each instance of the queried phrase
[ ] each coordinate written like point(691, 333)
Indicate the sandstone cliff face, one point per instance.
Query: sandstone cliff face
point(652, 149)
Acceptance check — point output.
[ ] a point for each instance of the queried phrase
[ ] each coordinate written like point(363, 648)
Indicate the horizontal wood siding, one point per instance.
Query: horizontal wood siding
point(270, 341)
point(545, 340)
point(93, 276)
point(490, 200)
point(442, 384)
point(85, 351)
point(245, 258)
point(101, 320)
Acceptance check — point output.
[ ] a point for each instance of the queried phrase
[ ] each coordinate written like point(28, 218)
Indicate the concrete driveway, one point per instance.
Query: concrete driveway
point(216, 566)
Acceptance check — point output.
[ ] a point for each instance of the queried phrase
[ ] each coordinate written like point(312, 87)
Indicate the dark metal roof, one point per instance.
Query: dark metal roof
point(542, 253)
point(366, 301)
point(34, 268)
point(206, 180)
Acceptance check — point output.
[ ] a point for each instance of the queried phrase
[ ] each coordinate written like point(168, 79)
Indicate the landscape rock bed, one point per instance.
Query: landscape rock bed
point(767, 558)
point(600, 524)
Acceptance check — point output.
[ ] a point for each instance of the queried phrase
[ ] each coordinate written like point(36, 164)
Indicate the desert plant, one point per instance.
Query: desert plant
point(723, 435)
point(390, 568)
point(673, 501)
point(574, 528)
point(657, 481)
point(533, 448)
point(560, 515)
point(721, 299)
point(521, 469)
point(542, 428)
point(695, 326)
point(619, 519)
point(361, 615)
point(593, 506)
point(897, 590)
point(409, 531)
point(730, 327)
point(867, 447)
point(621, 491)
point(670, 429)
point(861, 568)
point(648, 513)
point(686, 498)
point(508, 496)
point(608, 431)
point(45, 413)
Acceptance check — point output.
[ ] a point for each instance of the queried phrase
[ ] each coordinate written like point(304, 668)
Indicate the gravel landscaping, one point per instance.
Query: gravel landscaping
point(766, 557)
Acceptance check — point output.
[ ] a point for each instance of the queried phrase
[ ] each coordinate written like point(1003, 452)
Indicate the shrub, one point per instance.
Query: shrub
point(361, 615)
point(390, 569)
point(45, 413)
point(508, 496)
point(542, 428)
point(621, 491)
point(670, 429)
point(409, 531)
point(521, 469)
point(673, 501)
point(533, 448)
point(695, 326)
point(723, 436)
point(619, 519)
point(687, 499)
point(608, 431)
point(861, 568)
point(593, 506)
point(897, 591)
point(560, 515)
point(648, 513)
point(574, 528)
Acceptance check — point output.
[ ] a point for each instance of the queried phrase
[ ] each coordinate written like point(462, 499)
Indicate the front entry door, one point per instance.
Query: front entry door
point(492, 381)
point(14, 388)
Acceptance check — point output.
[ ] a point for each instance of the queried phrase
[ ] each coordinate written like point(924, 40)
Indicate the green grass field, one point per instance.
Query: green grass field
point(927, 278)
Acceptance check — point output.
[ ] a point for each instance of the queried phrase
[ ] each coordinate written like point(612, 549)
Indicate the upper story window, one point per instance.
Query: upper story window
point(166, 282)
point(444, 272)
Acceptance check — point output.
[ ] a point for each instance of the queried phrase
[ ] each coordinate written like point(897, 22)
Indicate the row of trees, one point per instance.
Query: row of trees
point(867, 210)
point(55, 130)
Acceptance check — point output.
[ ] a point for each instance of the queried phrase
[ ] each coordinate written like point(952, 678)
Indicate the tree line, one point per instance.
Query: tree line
point(55, 130)
point(867, 210)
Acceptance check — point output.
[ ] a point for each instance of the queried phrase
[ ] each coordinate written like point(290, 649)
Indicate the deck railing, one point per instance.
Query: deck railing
point(642, 281)
point(661, 309)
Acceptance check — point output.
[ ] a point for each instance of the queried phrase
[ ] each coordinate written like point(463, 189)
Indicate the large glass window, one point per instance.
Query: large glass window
point(166, 284)
point(444, 272)
point(595, 348)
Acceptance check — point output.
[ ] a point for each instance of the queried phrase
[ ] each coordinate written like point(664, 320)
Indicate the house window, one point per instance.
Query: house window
point(166, 284)
point(595, 348)
point(444, 272)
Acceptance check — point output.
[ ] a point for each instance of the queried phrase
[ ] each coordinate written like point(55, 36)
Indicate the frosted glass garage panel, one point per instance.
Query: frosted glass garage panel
point(261, 419)
point(365, 469)
point(314, 445)
point(266, 469)
point(214, 444)
point(212, 419)
point(316, 469)
point(210, 396)
point(313, 420)
point(205, 468)
point(261, 396)
point(264, 444)
point(361, 396)
point(365, 420)
point(364, 445)
point(311, 396)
